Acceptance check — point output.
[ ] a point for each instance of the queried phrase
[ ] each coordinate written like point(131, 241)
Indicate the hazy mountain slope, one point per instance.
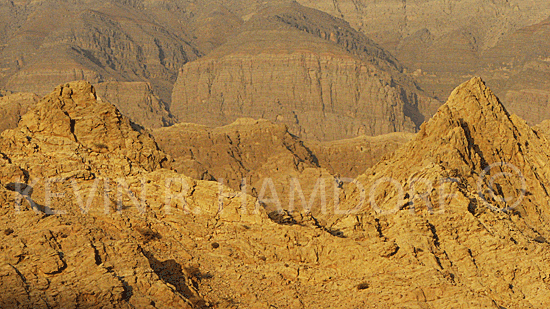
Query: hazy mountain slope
point(60, 41)
point(445, 39)
point(13, 106)
point(520, 69)
point(137, 101)
point(306, 69)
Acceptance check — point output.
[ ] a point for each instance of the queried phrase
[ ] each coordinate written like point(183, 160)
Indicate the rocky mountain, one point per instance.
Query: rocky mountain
point(255, 154)
point(301, 67)
point(436, 45)
point(115, 228)
point(108, 237)
point(544, 128)
point(52, 42)
point(351, 157)
point(443, 41)
point(465, 203)
point(235, 151)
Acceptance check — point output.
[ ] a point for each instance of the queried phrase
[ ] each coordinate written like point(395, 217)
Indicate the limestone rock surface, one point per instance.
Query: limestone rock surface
point(351, 157)
point(467, 199)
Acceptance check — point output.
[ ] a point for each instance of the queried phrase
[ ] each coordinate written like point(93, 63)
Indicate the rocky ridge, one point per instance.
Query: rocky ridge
point(251, 153)
point(257, 156)
point(258, 149)
point(224, 251)
point(474, 201)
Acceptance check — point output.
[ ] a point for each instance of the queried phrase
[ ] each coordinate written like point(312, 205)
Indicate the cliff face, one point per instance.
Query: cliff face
point(441, 42)
point(323, 82)
point(445, 40)
point(137, 101)
point(318, 96)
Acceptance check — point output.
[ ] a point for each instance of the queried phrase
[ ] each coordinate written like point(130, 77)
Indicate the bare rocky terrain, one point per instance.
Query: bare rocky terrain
point(137, 101)
point(443, 42)
point(13, 106)
point(110, 237)
point(249, 153)
point(274, 154)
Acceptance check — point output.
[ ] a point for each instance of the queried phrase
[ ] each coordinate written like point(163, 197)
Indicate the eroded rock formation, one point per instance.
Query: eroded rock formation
point(301, 67)
point(128, 233)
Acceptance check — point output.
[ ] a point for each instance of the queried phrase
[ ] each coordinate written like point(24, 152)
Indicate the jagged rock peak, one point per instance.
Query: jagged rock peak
point(471, 100)
point(470, 136)
point(59, 112)
point(73, 111)
point(476, 124)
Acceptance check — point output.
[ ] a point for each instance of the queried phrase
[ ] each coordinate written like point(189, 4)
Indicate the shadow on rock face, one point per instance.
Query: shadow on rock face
point(26, 191)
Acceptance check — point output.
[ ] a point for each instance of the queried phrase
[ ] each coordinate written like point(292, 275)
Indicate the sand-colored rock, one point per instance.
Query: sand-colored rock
point(485, 238)
point(248, 155)
point(117, 253)
point(255, 153)
point(351, 157)
point(224, 251)
point(13, 106)
point(543, 128)
point(73, 127)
